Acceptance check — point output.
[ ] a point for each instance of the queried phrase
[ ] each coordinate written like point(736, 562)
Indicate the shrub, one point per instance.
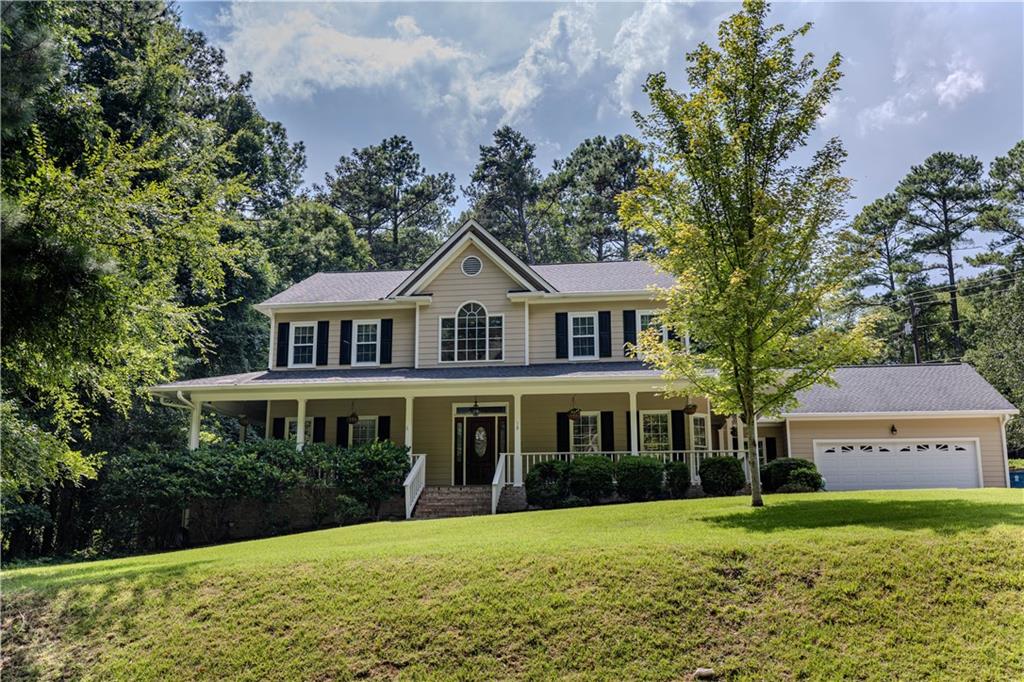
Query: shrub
point(592, 477)
point(721, 476)
point(639, 478)
point(350, 510)
point(677, 478)
point(547, 484)
point(777, 472)
point(373, 472)
point(795, 488)
point(809, 478)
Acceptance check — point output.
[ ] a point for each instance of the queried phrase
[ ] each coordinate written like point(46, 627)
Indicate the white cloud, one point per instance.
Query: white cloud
point(962, 80)
point(294, 51)
point(642, 45)
point(899, 110)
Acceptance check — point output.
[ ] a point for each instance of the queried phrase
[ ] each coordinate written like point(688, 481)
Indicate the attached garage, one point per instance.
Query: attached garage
point(898, 463)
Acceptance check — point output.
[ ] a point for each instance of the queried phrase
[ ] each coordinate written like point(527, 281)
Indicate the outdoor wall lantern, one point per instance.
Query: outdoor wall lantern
point(475, 410)
point(892, 429)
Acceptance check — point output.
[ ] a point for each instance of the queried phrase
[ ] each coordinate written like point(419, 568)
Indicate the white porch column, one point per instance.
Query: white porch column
point(193, 429)
point(517, 440)
point(300, 425)
point(408, 421)
point(634, 437)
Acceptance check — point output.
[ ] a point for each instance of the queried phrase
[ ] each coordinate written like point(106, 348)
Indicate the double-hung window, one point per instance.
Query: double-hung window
point(363, 431)
point(583, 336)
point(586, 432)
point(655, 431)
point(292, 429)
point(366, 342)
point(302, 343)
point(472, 335)
point(699, 431)
point(648, 319)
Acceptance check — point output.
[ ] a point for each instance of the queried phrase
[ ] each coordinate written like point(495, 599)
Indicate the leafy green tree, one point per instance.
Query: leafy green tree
point(504, 191)
point(1005, 214)
point(944, 196)
point(307, 237)
point(391, 200)
point(587, 184)
point(31, 60)
point(997, 351)
point(742, 227)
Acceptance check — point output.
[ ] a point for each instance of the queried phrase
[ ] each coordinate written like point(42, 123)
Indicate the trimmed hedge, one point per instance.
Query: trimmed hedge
point(677, 478)
point(721, 476)
point(592, 478)
point(547, 484)
point(639, 478)
point(778, 472)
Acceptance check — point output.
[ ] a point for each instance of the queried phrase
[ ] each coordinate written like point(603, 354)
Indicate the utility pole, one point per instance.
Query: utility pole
point(910, 328)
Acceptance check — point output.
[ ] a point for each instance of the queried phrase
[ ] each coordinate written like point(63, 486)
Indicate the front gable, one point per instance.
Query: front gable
point(525, 277)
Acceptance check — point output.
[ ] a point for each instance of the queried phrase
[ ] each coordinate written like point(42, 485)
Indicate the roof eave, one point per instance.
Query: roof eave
point(902, 414)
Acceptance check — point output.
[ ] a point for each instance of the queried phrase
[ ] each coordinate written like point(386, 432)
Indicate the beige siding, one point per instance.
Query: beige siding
point(332, 409)
point(987, 430)
point(776, 431)
point(402, 335)
point(450, 289)
point(542, 327)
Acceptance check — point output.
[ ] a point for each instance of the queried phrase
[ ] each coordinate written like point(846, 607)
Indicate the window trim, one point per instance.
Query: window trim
point(639, 326)
point(376, 428)
point(487, 336)
point(355, 344)
point(288, 421)
point(595, 335)
point(668, 416)
point(691, 431)
point(291, 344)
point(572, 433)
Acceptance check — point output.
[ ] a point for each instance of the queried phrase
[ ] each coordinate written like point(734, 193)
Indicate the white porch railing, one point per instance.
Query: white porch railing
point(693, 459)
point(415, 481)
point(500, 477)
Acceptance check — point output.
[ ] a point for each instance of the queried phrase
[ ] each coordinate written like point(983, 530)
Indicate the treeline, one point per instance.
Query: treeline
point(147, 203)
point(945, 268)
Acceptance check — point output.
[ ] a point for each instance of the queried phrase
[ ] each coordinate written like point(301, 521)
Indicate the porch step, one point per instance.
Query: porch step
point(443, 501)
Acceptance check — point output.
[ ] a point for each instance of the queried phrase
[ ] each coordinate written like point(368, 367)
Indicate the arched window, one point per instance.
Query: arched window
point(472, 335)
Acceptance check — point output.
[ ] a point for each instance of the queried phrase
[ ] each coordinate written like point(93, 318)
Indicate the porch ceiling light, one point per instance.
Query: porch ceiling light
point(353, 418)
point(475, 410)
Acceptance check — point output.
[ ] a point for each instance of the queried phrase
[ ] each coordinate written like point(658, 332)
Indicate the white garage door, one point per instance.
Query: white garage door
point(897, 463)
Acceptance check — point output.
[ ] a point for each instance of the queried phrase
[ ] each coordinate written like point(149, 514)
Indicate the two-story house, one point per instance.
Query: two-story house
point(483, 365)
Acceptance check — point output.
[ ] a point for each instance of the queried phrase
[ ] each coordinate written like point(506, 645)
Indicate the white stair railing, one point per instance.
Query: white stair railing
point(500, 476)
point(414, 483)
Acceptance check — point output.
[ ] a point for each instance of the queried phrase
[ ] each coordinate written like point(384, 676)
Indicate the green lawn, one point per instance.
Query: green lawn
point(886, 585)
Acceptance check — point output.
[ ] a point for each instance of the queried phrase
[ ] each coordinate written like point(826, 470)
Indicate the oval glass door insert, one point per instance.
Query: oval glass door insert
point(480, 441)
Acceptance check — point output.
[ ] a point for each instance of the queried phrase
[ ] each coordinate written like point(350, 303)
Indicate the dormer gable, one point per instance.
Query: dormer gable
point(454, 247)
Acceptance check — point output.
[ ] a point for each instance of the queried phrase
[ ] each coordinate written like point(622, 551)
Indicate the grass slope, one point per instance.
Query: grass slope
point(858, 585)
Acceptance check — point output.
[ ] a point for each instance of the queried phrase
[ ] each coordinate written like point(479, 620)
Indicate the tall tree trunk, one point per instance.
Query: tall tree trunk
point(953, 307)
point(754, 462)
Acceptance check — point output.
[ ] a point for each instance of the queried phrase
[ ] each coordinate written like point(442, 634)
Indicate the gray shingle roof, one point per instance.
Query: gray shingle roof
point(903, 388)
point(341, 287)
point(606, 276)
point(270, 378)
point(345, 287)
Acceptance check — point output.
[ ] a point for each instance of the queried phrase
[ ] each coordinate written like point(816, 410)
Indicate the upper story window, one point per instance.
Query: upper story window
point(366, 342)
point(583, 335)
point(472, 335)
point(647, 319)
point(302, 343)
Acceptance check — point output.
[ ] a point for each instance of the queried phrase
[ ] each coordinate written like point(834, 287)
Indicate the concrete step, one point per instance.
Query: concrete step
point(446, 501)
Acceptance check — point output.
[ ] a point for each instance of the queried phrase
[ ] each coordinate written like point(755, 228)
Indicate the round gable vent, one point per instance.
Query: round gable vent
point(471, 266)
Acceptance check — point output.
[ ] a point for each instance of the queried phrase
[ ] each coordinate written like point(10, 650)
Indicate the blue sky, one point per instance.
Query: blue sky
point(920, 77)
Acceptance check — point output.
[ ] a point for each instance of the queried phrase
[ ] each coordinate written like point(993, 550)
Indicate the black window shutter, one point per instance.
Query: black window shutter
point(279, 427)
point(282, 343)
point(608, 431)
point(678, 430)
point(386, 327)
point(629, 431)
point(770, 448)
point(346, 342)
point(604, 333)
point(628, 329)
point(323, 333)
point(672, 336)
point(562, 431)
point(561, 335)
point(319, 429)
point(341, 438)
point(384, 427)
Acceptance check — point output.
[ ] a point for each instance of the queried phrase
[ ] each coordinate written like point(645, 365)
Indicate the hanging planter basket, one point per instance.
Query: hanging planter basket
point(574, 414)
point(691, 408)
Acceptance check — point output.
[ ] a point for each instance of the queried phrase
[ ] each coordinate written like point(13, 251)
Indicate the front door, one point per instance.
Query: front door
point(480, 450)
